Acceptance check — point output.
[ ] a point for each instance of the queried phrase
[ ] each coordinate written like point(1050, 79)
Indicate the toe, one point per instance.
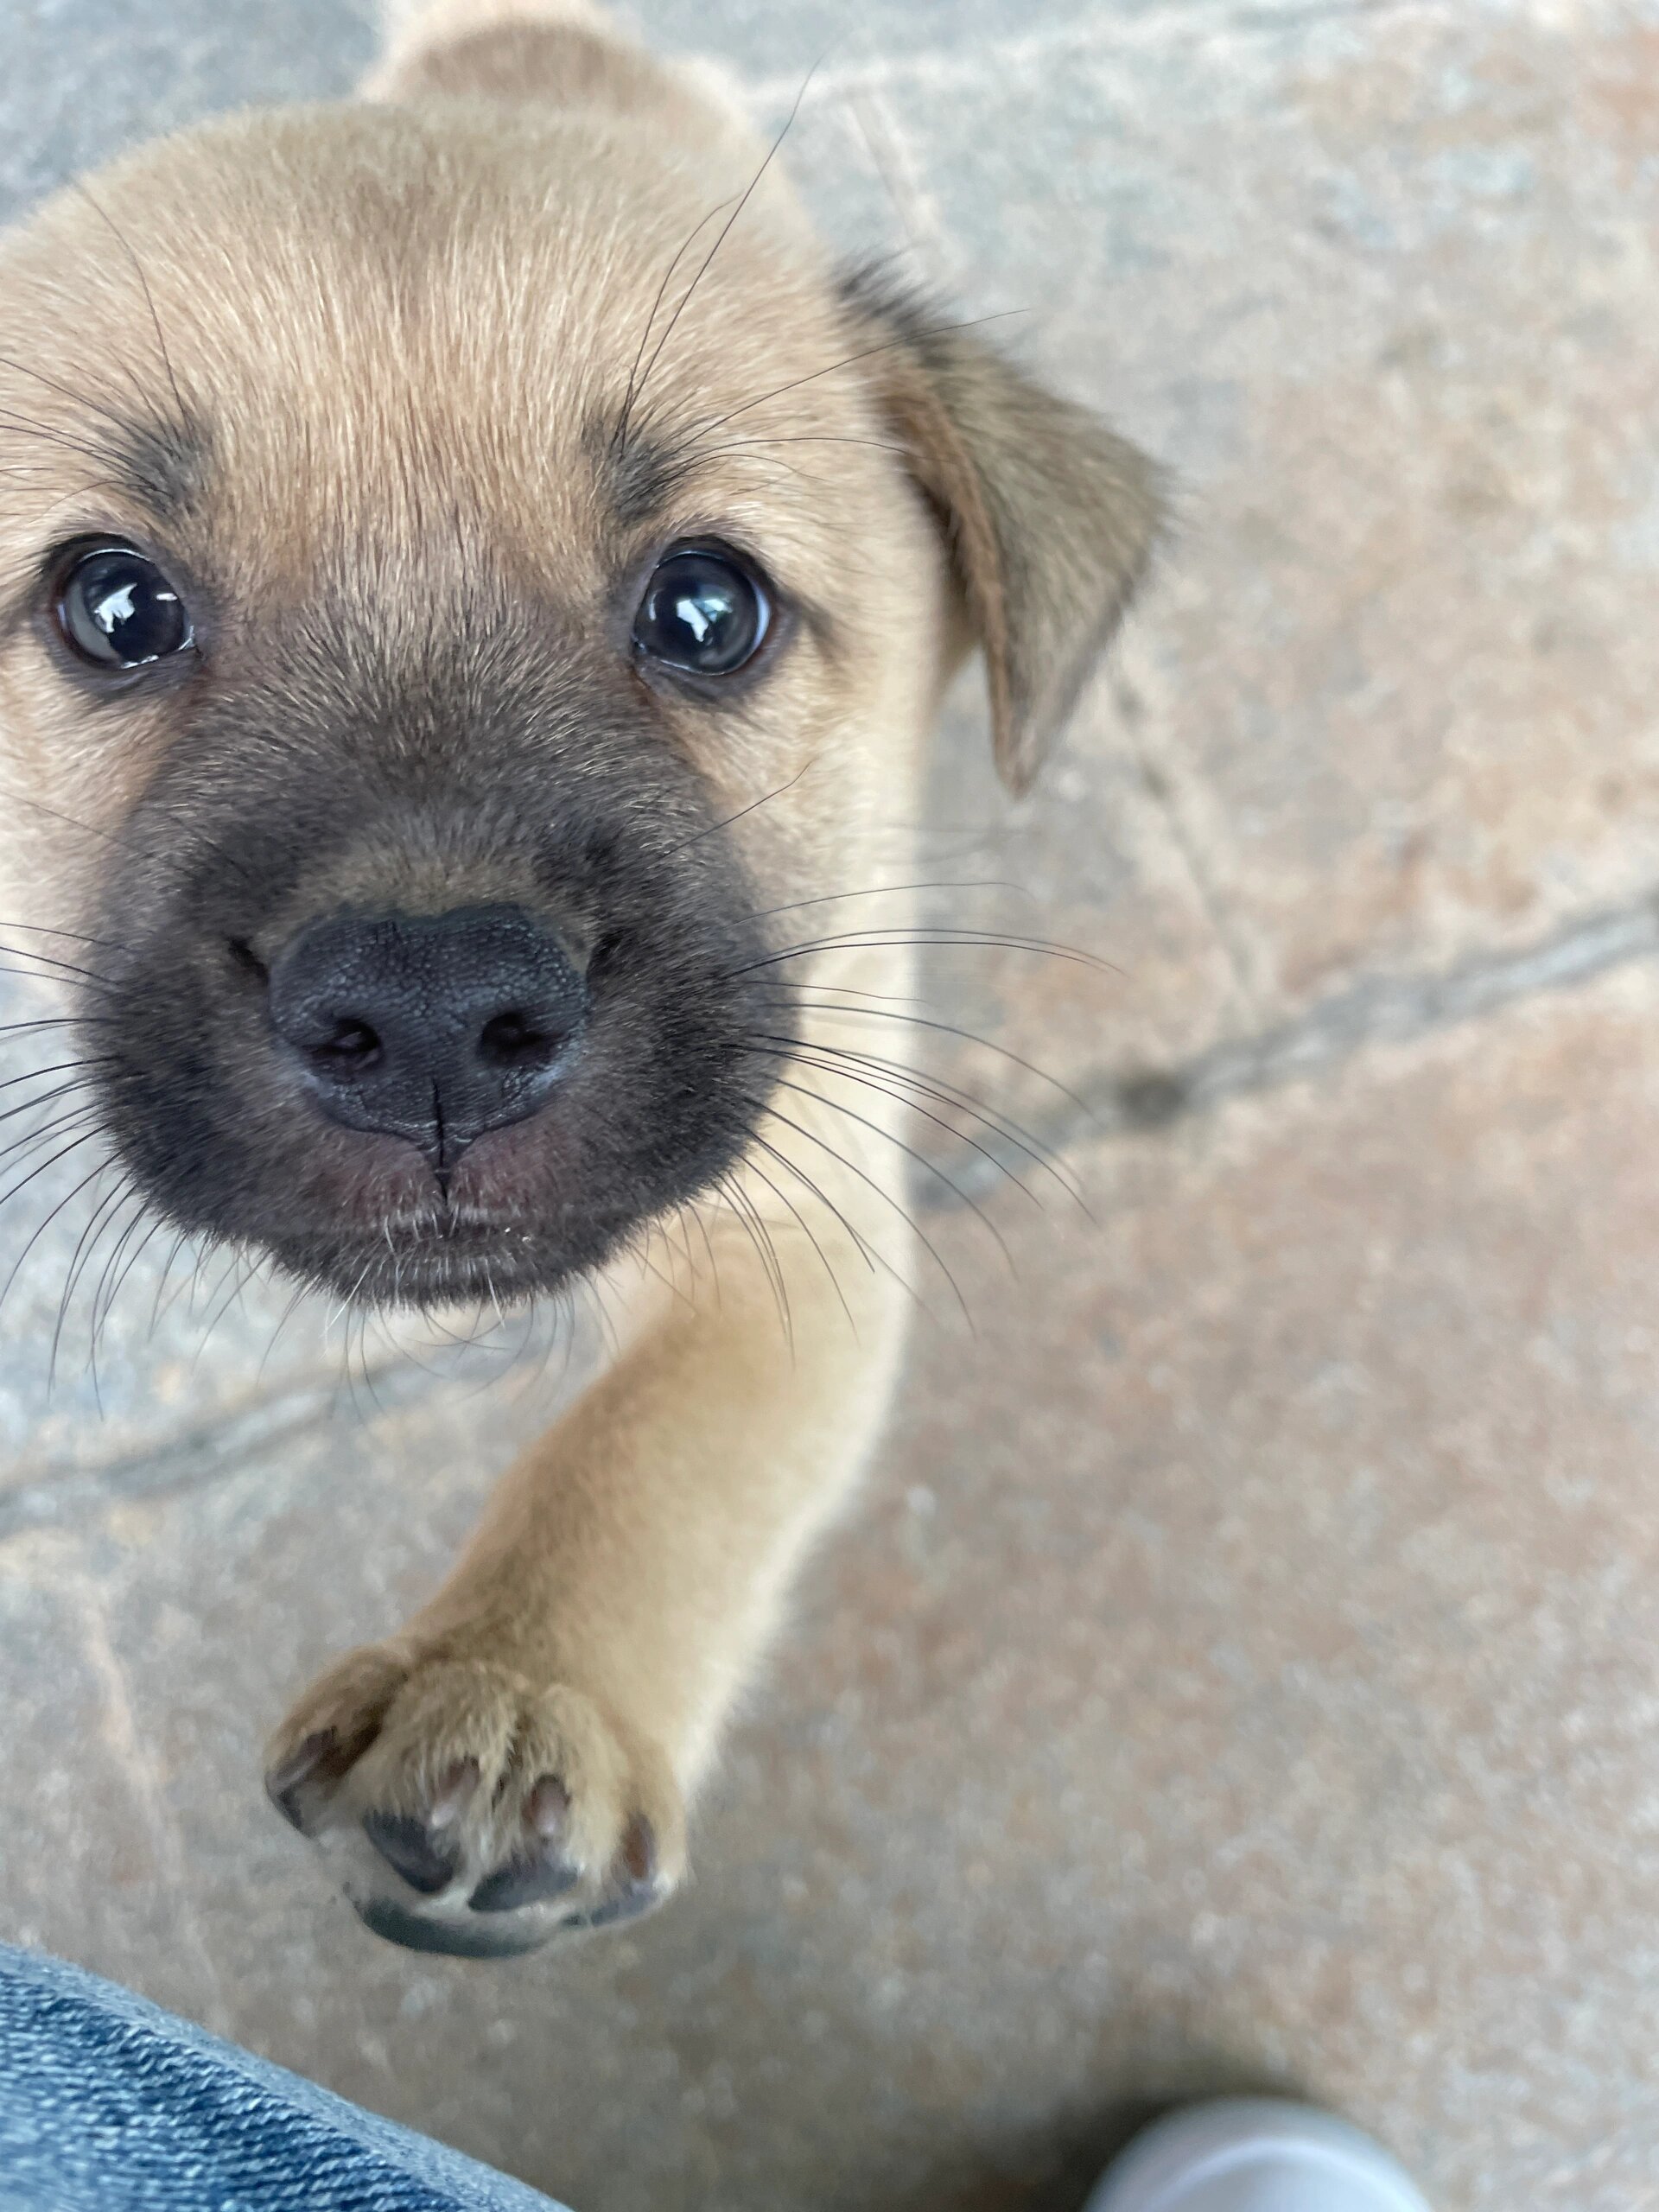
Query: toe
point(301, 1785)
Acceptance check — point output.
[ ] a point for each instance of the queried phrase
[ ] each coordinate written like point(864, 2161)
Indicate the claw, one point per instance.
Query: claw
point(283, 1782)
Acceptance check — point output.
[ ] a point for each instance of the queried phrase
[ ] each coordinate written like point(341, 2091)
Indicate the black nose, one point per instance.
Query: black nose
point(433, 1028)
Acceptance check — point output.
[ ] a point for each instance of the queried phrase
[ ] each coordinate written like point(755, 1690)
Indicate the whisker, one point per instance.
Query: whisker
point(158, 1311)
point(288, 1311)
point(20, 426)
point(111, 1285)
point(927, 937)
point(242, 1272)
point(59, 1067)
point(620, 435)
point(126, 245)
point(85, 1244)
point(139, 852)
point(865, 353)
point(691, 1207)
point(216, 1313)
point(872, 1256)
point(42, 929)
point(794, 1058)
point(49, 961)
point(935, 1086)
point(910, 1222)
point(949, 1029)
point(784, 1200)
point(764, 1251)
point(64, 391)
point(20, 1147)
point(51, 1216)
point(98, 1316)
point(754, 805)
point(805, 438)
point(880, 891)
point(929, 1166)
point(642, 1253)
point(32, 1105)
point(748, 193)
point(58, 1021)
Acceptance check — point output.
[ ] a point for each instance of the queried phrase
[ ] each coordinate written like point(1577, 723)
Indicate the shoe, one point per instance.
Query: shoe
point(1255, 2154)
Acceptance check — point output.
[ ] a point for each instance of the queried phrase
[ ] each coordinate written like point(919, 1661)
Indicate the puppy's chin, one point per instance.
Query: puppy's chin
point(448, 1259)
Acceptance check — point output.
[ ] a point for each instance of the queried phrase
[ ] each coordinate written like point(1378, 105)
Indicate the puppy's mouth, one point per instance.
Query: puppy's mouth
point(446, 1256)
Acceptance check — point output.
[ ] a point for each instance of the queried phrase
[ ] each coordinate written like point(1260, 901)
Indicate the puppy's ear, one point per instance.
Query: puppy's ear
point(565, 54)
point(547, 53)
point(1050, 518)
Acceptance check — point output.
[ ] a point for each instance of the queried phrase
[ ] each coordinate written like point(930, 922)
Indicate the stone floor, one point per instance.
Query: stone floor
point(1243, 1668)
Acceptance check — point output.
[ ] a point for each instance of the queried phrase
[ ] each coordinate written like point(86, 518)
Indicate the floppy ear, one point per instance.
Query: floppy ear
point(1050, 518)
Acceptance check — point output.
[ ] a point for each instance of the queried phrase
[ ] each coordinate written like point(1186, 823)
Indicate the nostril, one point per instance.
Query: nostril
point(249, 962)
point(351, 1046)
point(515, 1039)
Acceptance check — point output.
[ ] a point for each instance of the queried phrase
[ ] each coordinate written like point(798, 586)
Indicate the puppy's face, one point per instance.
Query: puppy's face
point(402, 672)
point(436, 636)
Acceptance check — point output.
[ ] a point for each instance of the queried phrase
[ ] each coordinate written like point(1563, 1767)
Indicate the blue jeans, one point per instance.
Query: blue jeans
point(108, 2104)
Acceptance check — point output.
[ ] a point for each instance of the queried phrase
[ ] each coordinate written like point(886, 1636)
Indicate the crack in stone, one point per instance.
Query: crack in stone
point(126, 1742)
point(195, 1456)
point(1377, 1010)
point(993, 57)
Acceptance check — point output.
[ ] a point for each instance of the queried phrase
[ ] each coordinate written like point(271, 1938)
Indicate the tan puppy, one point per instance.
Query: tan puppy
point(476, 582)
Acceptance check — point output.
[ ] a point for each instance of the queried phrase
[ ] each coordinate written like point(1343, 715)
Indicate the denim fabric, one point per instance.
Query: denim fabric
point(108, 2104)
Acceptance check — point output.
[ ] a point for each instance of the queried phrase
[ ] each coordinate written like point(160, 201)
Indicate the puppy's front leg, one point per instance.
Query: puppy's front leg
point(515, 1762)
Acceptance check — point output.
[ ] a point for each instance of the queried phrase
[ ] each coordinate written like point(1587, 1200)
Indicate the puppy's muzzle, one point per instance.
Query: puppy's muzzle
point(431, 1027)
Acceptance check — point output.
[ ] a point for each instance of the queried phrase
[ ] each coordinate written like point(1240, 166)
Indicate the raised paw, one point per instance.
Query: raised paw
point(464, 1809)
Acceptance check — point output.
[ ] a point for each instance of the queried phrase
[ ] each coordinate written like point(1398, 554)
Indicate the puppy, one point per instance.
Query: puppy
point(476, 581)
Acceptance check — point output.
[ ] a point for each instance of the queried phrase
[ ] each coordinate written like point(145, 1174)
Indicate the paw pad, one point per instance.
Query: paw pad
point(472, 1815)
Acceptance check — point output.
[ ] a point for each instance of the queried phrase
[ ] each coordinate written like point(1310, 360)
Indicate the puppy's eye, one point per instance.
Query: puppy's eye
point(704, 612)
point(117, 610)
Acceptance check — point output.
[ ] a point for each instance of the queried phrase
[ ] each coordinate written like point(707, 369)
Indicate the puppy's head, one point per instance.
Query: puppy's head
point(463, 567)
